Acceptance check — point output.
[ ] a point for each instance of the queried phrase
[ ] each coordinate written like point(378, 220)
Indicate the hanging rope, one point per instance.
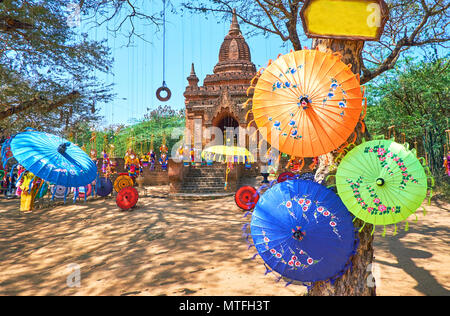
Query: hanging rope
point(164, 87)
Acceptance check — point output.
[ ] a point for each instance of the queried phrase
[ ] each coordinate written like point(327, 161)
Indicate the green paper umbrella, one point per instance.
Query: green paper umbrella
point(381, 182)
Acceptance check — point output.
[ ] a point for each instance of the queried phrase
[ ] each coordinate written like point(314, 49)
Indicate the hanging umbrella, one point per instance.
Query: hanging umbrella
point(307, 103)
point(52, 159)
point(303, 231)
point(381, 182)
point(228, 154)
point(233, 154)
point(127, 198)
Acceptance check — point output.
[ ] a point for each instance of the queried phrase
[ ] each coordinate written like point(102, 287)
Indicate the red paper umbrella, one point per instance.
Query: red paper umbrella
point(246, 197)
point(285, 176)
point(127, 198)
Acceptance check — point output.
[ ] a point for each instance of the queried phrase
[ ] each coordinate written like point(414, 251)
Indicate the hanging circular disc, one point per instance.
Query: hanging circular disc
point(166, 90)
point(123, 181)
point(127, 198)
point(104, 187)
point(246, 197)
point(285, 176)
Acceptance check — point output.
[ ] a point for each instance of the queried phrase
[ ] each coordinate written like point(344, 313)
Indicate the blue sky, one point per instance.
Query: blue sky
point(189, 38)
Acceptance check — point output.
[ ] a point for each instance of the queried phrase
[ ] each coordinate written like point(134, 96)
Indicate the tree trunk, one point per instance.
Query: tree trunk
point(358, 280)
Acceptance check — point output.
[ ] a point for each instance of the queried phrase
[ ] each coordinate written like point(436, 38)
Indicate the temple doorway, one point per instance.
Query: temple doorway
point(228, 124)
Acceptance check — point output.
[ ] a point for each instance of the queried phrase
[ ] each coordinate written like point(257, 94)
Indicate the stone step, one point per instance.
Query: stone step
point(202, 186)
point(197, 171)
point(200, 179)
point(203, 191)
point(205, 175)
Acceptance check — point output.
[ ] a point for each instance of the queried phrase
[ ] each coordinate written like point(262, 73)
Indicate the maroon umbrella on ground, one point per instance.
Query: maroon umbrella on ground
point(246, 197)
point(127, 198)
point(285, 176)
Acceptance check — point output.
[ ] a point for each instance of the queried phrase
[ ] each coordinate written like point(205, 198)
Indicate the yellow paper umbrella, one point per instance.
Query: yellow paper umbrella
point(307, 103)
point(229, 155)
point(232, 154)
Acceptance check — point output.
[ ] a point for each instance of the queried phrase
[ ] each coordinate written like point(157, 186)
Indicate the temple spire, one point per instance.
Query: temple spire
point(193, 79)
point(234, 28)
point(193, 70)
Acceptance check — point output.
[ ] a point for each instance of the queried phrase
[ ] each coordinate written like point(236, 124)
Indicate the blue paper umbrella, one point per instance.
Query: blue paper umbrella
point(303, 231)
point(53, 159)
point(104, 187)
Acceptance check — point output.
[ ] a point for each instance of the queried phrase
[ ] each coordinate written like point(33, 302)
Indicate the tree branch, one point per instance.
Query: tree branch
point(38, 101)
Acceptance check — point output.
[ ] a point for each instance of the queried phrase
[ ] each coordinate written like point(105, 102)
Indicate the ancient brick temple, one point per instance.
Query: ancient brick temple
point(219, 101)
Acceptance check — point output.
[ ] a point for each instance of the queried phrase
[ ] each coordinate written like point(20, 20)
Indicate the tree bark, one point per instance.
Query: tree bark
point(358, 280)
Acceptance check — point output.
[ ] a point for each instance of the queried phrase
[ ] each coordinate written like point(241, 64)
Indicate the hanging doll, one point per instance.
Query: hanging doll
point(447, 163)
point(20, 174)
point(132, 164)
point(93, 155)
point(4, 184)
point(106, 163)
point(192, 154)
point(152, 160)
point(163, 148)
point(145, 159)
point(180, 152)
point(128, 153)
point(112, 167)
point(93, 152)
point(247, 164)
point(164, 161)
point(29, 188)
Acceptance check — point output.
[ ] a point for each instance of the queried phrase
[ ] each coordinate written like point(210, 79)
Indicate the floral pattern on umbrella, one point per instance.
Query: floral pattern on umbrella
point(381, 182)
point(303, 231)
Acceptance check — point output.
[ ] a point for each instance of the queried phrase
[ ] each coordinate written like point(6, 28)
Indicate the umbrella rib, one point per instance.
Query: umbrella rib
point(319, 124)
point(270, 223)
point(287, 90)
point(266, 114)
point(277, 91)
point(322, 121)
point(314, 70)
point(325, 74)
point(272, 105)
point(340, 123)
point(334, 76)
point(299, 84)
point(357, 85)
point(275, 65)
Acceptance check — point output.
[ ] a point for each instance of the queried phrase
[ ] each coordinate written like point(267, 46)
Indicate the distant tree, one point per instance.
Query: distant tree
point(156, 124)
point(415, 98)
point(47, 69)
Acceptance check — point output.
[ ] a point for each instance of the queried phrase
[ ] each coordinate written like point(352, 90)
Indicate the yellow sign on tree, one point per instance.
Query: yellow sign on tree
point(345, 19)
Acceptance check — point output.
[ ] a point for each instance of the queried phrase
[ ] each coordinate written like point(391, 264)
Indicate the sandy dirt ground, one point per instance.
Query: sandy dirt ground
point(175, 247)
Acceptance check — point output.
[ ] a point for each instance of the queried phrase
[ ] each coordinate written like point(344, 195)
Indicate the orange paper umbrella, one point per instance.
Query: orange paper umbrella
point(307, 103)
